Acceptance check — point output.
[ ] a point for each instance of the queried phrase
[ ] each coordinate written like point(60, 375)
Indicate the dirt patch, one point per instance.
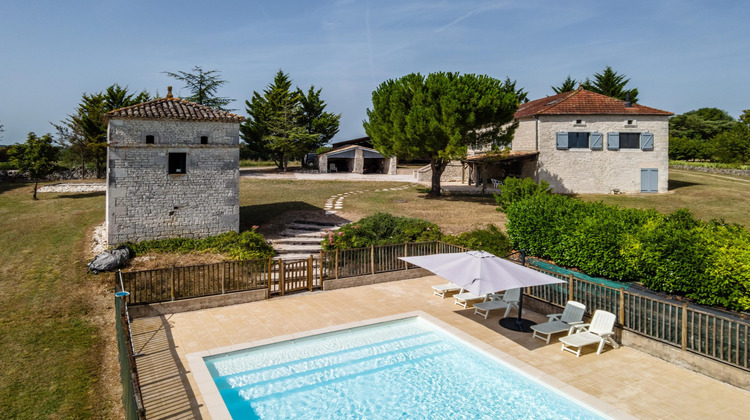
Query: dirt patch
point(154, 260)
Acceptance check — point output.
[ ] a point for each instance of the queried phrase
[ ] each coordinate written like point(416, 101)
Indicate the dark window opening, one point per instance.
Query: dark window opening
point(149, 139)
point(204, 139)
point(177, 163)
point(630, 140)
point(578, 140)
point(579, 121)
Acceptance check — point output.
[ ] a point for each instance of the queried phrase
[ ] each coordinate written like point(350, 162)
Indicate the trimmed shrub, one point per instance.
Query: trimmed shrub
point(381, 229)
point(675, 253)
point(247, 245)
point(517, 189)
point(490, 239)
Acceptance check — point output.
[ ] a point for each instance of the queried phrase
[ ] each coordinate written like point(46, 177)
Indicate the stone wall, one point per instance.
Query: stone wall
point(452, 173)
point(145, 202)
point(596, 171)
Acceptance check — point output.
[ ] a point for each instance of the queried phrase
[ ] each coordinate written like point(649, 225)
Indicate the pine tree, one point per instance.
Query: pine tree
point(568, 85)
point(203, 85)
point(611, 84)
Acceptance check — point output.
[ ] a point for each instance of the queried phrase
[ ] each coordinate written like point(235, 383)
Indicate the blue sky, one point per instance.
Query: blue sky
point(681, 55)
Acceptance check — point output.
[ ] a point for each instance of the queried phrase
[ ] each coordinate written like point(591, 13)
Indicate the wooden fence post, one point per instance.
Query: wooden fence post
point(372, 259)
point(223, 276)
point(320, 268)
point(621, 312)
point(336, 268)
point(281, 275)
point(571, 287)
point(310, 272)
point(684, 326)
point(270, 279)
point(406, 254)
point(171, 281)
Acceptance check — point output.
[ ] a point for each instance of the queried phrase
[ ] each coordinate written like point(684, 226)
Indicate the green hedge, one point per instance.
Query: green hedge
point(675, 253)
point(386, 229)
point(247, 245)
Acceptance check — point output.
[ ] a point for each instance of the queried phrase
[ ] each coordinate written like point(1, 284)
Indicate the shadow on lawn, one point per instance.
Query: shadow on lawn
point(263, 213)
point(674, 184)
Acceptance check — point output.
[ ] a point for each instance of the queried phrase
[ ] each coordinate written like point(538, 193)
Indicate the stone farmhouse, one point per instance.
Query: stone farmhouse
point(172, 171)
point(591, 143)
point(579, 142)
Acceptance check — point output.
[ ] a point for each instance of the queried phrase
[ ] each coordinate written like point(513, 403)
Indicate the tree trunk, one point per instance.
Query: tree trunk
point(437, 166)
point(36, 182)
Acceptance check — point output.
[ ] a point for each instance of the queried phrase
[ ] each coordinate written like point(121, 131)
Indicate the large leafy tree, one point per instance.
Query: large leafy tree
point(85, 131)
point(37, 157)
point(611, 84)
point(733, 145)
point(203, 86)
point(702, 124)
point(438, 116)
point(285, 124)
point(568, 85)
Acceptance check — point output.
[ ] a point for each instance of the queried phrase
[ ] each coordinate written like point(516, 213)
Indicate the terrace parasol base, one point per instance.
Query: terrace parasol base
point(516, 324)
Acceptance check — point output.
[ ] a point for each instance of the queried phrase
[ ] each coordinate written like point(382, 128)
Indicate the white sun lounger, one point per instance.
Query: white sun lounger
point(494, 301)
point(571, 315)
point(599, 331)
point(442, 289)
point(463, 298)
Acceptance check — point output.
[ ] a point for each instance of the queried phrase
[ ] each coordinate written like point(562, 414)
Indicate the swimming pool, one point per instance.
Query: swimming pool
point(407, 368)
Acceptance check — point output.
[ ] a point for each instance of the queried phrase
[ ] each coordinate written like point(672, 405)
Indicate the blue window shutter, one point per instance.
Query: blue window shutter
point(647, 141)
point(649, 180)
point(596, 141)
point(613, 141)
point(562, 140)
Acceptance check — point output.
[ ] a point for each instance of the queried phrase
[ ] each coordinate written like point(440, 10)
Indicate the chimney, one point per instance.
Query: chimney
point(169, 92)
point(628, 104)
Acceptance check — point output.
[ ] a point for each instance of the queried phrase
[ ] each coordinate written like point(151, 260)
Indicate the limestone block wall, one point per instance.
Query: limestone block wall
point(597, 171)
point(452, 173)
point(524, 138)
point(145, 202)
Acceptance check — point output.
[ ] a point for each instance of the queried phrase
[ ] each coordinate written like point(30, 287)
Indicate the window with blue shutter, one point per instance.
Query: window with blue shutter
point(562, 140)
point(613, 141)
point(647, 141)
point(596, 140)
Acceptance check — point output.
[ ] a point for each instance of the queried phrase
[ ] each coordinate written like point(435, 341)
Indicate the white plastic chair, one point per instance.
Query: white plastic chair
point(600, 330)
point(332, 167)
point(443, 289)
point(571, 315)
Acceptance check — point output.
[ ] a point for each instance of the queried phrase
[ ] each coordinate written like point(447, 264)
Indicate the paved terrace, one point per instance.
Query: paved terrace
point(631, 381)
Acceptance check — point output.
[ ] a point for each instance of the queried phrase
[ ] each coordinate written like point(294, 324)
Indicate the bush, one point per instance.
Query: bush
point(381, 229)
point(516, 189)
point(490, 239)
point(247, 245)
point(675, 253)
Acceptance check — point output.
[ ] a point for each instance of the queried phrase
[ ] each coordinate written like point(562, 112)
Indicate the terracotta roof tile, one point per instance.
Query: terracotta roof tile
point(173, 108)
point(583, 102)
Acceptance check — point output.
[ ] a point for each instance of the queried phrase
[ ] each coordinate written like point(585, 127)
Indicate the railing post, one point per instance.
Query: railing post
point(320, 268)
point(223, 276)
point(621, 312)
point(406, 254)
point(270, 278)
point(372, 259)
point(684, 326)
point(171, 281)
point(571, 288)
point(336, 267)
point(310, 273)
point(281, 275)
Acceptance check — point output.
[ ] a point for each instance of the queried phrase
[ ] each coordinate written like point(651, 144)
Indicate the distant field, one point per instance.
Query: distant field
point(707, 196)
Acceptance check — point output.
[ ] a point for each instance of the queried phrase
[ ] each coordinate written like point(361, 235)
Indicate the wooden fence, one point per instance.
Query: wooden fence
point(701, 331)
point(132, 399)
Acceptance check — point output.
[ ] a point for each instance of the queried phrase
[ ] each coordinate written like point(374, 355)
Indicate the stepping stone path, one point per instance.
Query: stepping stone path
point(336, 202)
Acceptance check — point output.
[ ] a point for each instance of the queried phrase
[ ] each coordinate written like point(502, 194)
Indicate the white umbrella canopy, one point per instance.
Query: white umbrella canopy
point(480, 272)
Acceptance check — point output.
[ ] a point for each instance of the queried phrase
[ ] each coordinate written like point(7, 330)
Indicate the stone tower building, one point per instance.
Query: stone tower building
point(172, 171)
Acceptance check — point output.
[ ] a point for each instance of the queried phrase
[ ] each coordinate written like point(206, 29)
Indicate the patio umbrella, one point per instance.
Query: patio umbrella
point(480, 272)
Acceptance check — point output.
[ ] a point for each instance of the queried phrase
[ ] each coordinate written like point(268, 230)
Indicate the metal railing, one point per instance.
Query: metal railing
point(700, 331)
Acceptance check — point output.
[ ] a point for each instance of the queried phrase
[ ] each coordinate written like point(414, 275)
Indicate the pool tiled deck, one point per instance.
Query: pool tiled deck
point(631, 381)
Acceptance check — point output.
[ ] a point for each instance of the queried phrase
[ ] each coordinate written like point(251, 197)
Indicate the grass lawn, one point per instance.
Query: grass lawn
point(261, 201)
point(708, 196)
point(57, 348)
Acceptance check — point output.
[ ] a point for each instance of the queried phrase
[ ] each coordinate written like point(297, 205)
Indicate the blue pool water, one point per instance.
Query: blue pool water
point(405, 369)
